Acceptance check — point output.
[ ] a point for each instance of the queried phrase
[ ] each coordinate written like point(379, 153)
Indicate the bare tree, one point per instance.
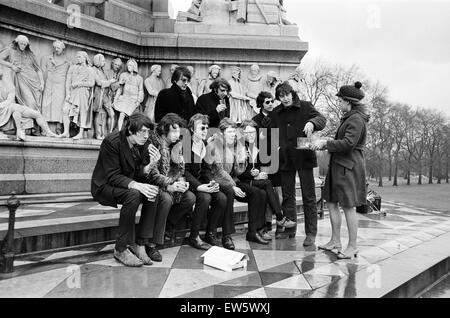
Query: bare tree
point(379, 134)
point(315, 82)
point(398, 117)
point(433, 135)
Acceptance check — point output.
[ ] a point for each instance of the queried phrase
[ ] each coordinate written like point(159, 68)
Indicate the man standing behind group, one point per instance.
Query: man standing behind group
point(118, 178)
point(215, 104)
point(177, 99)
point(296, 118)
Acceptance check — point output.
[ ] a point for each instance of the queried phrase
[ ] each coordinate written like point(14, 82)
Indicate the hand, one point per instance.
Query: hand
point(67, 98)
point(221, 108)
point(254, 172)
point(150, 191)
point(309, 129)
point(318, 144)
point(41, 87)
point(16, 69)
point(154, 153)
point(239, 193)
point(75, 85)
point(210, 139)
point(262, 176)
point(178, 186)
point(208, 188)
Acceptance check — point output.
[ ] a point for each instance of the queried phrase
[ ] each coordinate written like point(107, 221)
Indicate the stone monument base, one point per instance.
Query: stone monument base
point(46, 165)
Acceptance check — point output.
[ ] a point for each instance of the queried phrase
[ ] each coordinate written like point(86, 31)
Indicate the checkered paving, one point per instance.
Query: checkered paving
point(282, 269)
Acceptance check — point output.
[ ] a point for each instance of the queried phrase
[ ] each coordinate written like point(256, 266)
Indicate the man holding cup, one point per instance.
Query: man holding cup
point(119, 177)
point(215, 104)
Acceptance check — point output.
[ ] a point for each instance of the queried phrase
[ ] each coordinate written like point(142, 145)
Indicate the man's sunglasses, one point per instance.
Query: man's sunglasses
point(204, 128)
point(267, 102)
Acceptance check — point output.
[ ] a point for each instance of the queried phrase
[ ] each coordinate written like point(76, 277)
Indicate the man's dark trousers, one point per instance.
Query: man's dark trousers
point(130, 200)
point(308, 195)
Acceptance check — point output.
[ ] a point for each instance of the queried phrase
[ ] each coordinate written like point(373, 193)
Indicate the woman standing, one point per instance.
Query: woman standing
point(131, 93)
point(27, 75)
point(345, 184)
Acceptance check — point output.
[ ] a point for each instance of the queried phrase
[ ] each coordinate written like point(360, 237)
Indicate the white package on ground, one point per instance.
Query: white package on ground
point(224, 259)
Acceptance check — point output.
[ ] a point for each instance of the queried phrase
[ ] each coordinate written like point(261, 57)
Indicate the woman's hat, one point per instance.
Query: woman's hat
point(351, 92)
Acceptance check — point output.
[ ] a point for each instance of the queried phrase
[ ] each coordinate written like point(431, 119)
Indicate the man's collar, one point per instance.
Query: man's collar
point(129, 142)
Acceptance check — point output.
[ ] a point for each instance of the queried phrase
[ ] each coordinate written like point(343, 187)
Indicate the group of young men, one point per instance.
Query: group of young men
point(145, 163)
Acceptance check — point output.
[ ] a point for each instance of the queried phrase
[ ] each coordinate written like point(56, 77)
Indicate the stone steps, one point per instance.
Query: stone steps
point(39, 228)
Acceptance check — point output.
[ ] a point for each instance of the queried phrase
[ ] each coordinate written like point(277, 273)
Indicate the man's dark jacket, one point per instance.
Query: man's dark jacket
point(171, 100)
point(194, 173)
point(207, 104)
point(291, 121)
point(116, 167)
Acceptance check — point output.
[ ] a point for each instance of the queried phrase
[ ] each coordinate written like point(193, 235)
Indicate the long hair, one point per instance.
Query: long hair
point(168, 121)
point(135, 123)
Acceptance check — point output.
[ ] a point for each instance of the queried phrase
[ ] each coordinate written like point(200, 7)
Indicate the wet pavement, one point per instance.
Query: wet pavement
point(393, 248)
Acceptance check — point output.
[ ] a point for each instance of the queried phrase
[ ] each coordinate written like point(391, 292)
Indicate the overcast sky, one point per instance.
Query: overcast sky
point(403, 44)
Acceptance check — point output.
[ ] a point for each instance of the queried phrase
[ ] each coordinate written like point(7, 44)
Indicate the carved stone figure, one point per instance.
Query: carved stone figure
point(254, 85)
point(10, 109)
point(54, 68)
point(271, 82)
point(80, 80)
point(27, 75)
point(193, 13)
point(194, 83)
point(295, 80)
point(153, 84)
point(283, 19)
point(213, 73)
point(256, 11)
point(239, 102)
point(101, 103)
point(131, 92)
point(169, 80)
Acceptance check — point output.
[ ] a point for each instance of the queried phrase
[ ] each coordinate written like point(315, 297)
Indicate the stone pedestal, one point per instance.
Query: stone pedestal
point(127, 29)
point(46, 165)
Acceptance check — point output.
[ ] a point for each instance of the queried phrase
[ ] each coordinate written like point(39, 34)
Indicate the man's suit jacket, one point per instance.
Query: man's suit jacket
point(116, 168)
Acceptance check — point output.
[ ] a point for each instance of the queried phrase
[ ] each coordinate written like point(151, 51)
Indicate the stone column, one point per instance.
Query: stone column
point(161, 8)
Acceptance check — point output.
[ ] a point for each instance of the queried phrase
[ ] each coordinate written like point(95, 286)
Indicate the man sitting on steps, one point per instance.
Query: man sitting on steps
point(118, 178)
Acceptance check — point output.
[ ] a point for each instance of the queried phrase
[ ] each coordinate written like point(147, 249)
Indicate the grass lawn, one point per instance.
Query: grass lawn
point(432, 196)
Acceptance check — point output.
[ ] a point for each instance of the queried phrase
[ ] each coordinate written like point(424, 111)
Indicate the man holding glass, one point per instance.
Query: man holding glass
point(215, 104)
point(118, 178)
point(295, 119)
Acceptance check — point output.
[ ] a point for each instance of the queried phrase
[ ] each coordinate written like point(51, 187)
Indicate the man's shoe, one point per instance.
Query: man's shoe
point(153, 253)
point(211, 239)
point(309, 240)
point(266, 236)
point(256, 237)
point(285, 222)
point(127, 258)
point(140, 253)
point(198, 243)
point(279, 235)
point(227, 243)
